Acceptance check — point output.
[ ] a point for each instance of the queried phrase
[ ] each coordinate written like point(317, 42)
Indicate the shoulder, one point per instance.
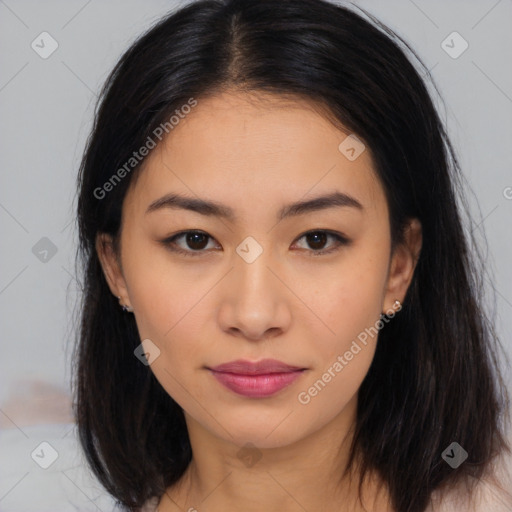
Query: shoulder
point(493, 493)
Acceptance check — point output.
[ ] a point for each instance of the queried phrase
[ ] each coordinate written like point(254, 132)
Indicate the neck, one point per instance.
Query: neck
point(305, 475)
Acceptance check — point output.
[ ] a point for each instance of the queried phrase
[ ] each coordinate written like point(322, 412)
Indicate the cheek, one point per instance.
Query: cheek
point(351, 303)
point(344, 352)
point(343, 357)
point(174, 326)
point(168, 306)
point(329, 391)
point(163, 294)
point(349, 298)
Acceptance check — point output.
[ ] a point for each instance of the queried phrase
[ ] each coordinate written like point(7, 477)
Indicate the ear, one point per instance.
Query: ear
point(402, 265)
point(111, 267)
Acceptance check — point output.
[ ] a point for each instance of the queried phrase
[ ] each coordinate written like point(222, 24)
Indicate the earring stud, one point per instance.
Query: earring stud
point(397, 306)
point(125, 308)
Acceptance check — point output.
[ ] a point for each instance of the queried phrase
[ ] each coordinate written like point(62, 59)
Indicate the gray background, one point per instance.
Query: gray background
point(46, 108)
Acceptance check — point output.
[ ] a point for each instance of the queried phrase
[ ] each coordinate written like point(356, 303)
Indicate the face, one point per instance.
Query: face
point(258, 278)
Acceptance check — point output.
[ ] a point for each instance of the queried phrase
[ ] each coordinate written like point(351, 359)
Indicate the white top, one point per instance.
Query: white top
point(489, 497)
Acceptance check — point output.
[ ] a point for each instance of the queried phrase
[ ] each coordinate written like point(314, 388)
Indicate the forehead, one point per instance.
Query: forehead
point(238, 148)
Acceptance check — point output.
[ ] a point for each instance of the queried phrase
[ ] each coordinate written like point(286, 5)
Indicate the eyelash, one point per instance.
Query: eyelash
point(340, 239)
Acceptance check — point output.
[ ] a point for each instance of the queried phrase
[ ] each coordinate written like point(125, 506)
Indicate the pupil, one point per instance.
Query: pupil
point(322, 237)
point(192, 240)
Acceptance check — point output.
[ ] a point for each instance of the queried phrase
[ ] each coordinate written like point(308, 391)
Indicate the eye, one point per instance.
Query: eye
point(317, 240)
point(196, 241)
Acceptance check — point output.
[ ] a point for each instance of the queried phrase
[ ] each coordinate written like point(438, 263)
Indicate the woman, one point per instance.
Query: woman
point(280, 310)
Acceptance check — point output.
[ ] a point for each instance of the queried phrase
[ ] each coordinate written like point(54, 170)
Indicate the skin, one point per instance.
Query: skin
point(256, 154)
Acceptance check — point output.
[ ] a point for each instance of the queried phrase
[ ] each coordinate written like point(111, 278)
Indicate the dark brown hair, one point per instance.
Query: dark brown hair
point(435, 376)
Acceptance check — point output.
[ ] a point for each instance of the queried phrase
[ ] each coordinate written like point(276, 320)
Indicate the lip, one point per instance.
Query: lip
point(256, 379)
point(264, 366)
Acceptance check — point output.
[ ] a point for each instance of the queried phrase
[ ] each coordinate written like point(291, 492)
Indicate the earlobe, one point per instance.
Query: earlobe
point(110, 265)
point(403, 264)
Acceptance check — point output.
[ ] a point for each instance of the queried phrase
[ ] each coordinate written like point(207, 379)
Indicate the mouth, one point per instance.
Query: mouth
point(256, 379)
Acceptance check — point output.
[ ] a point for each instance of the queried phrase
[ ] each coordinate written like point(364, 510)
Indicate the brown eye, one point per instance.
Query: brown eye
point(316, 241)
point(194, 243)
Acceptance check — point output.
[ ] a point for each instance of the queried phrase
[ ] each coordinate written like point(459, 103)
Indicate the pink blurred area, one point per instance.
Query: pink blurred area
point(35, 402)
point(37, 429)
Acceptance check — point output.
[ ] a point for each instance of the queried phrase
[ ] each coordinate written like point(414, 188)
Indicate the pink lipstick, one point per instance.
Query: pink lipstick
point(256, 380)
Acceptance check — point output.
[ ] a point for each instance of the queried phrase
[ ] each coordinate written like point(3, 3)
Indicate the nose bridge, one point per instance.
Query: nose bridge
point(256, 300)
point(252, 269)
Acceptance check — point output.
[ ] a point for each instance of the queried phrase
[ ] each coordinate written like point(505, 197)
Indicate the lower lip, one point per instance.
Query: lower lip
point(256, 386)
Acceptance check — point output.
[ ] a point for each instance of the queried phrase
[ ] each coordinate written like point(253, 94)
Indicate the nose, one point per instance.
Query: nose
point(255, 302)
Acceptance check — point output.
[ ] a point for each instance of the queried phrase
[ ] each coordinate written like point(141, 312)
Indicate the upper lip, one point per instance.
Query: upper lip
point(261, 367)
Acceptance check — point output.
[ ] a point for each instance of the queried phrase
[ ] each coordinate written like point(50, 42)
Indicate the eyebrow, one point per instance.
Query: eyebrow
point(215, 209)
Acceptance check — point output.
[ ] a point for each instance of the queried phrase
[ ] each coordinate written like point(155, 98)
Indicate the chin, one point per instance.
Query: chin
point(276, 431)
